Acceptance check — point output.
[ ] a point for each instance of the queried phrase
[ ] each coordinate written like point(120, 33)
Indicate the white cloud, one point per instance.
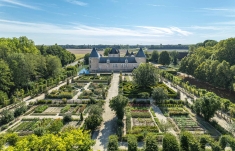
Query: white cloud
point(53, 33)
point(17, 3)
point(217, 9)
point(204, 28)
point(80, 3)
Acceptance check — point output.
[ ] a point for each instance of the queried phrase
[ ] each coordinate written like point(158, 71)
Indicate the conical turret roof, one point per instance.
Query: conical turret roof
point(127, 53)
point(94, 53)
point(140, 53)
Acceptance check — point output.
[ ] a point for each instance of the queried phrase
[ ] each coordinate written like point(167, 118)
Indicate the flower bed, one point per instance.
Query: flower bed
point(143, 122)
point(65, 109)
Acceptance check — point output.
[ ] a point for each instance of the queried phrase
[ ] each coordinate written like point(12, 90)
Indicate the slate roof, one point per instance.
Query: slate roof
point(94, 53)
point(140, 53)
point(117, 59)
point(114, 51)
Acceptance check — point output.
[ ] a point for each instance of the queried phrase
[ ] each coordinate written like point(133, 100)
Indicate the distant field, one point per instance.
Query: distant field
point(79, 53)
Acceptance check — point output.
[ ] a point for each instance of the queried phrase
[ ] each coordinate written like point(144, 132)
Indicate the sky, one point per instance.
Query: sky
point(146, 22)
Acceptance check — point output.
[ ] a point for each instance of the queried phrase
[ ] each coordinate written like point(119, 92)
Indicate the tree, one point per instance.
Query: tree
point(81, 117)
point(145, 75)
point(106, 51)
point(159, 94)
point(155, 56)
point(207, 105)
point(151, 143)
point(53, 66)
point(170, 143)
point(113, 143)
point(188, 142)
point(86, 59)
point(20, 110)
point(164, 58)
point(67, 118)
point(5, 77)
point(6, 117)
point(3, 98)
point(174, 57)
point(56, 126)
point(118, 104)
point(93, 121)
point(132, 143)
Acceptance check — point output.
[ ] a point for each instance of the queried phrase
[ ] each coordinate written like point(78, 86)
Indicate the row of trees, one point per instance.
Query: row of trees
point(65, 56)
point(22, 64)
point(212, 62)
point(165, 57)
point(187, 142)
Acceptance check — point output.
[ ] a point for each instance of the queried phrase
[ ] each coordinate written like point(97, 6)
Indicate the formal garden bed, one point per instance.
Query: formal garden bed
point(97, 91)
point(66, 91)
point(102, 78)
point(139, 120)
point(131, 90)
point(31, 124)
point(185, 122)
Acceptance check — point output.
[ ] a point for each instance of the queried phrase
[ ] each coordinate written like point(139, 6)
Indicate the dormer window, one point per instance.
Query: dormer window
point(126, 61)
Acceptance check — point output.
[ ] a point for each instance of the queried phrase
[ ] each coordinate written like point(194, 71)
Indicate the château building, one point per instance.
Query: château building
point(114, 62)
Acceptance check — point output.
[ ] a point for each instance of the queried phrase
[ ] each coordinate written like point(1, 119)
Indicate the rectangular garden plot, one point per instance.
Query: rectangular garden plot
point(132, 90)
point(185, 122)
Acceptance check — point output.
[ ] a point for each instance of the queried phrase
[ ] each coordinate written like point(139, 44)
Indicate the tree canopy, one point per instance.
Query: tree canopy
point(164, 58)
point(207, 105)
point(117, 104)
point(212, 62)
point(145, 75)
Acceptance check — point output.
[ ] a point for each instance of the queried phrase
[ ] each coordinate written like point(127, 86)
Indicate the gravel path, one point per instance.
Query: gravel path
point(161, 117)
point(80, 92)
point(107, 127)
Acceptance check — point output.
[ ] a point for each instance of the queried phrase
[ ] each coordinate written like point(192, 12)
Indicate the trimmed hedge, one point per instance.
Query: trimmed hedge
point(140, 114)
point(40, 109)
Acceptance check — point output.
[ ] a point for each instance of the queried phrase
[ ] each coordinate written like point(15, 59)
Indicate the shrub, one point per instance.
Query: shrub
point(132, 143)
point(113, 143)
point(39, 131)
point(65, 109)
point(6, 117)
point(227, 139)
point(170, 143)
point(151, 143)
point(12, 138)
point(144, 95)
point(67, 118)
point(19, 111)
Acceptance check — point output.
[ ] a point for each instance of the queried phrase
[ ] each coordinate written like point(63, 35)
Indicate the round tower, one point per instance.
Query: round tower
point(94, 61)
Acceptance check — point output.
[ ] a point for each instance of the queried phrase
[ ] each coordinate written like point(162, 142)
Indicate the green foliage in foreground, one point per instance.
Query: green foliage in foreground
point(170, 143)
point(70, 139)
point(113, 143)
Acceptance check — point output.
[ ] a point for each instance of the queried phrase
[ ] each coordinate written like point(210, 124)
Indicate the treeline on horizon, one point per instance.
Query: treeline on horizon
point(213, 62)
point(27, 69)
point(179, 46)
